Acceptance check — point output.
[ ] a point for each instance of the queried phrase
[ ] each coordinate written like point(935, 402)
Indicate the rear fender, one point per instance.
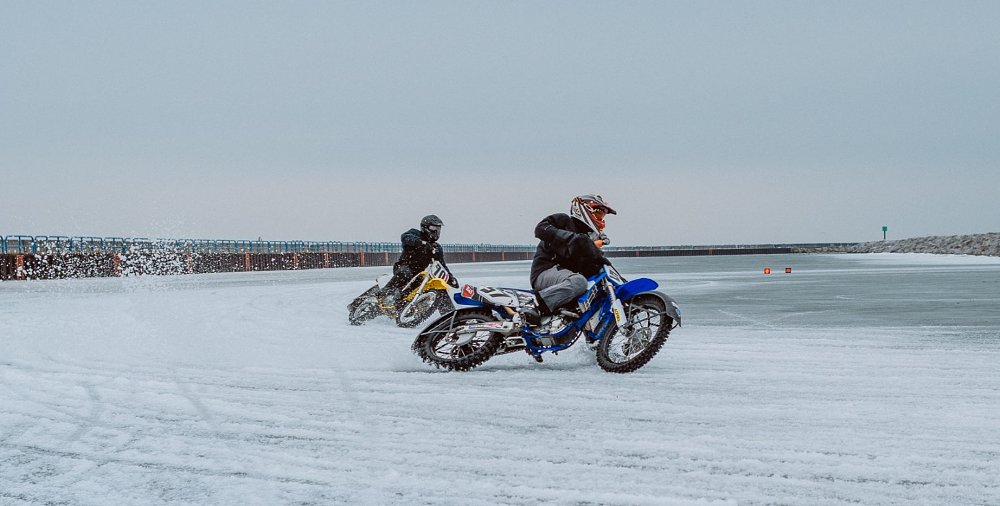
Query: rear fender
point(361, 298)
point(447, 317)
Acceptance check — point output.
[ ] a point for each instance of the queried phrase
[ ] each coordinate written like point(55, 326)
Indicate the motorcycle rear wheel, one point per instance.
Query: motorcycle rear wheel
point(648, 326)
point(443, 347)
point(363, 308)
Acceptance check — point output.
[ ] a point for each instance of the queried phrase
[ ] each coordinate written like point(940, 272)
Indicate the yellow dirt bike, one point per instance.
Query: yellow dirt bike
point(429, 290)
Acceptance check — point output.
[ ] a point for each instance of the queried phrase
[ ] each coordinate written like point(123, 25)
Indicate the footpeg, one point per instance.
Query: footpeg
point(566, 313)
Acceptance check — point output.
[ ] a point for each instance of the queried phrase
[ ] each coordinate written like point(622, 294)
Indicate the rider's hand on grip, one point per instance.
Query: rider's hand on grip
point(582, 246)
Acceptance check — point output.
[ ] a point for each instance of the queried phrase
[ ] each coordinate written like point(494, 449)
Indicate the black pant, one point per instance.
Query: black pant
point(401, 274)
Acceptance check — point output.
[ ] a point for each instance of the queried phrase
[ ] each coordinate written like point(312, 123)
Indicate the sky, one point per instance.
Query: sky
point(701, 122)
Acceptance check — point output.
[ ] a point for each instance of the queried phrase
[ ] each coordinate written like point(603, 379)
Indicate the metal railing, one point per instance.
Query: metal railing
point(50, 257)
point(57, 244)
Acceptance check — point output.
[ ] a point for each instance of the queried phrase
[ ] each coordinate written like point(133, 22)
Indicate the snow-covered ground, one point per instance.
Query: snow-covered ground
point(865, 379)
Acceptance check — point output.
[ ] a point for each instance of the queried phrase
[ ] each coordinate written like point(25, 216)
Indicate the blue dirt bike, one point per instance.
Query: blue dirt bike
point(625, 322)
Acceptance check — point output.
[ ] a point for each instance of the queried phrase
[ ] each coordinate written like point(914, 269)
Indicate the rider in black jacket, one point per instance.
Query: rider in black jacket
point(568, 252)
point(419, 248)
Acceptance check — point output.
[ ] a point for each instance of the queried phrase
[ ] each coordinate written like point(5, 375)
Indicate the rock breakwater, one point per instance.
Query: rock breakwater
point(975, 244)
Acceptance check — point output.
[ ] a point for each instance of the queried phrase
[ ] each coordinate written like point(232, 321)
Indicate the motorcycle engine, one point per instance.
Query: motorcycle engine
point(552, 324)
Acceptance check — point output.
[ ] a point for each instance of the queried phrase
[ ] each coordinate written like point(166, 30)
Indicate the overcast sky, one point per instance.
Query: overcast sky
point(702, 122)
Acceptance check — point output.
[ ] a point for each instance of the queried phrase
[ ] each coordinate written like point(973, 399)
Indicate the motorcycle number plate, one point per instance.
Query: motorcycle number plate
point(619, 312)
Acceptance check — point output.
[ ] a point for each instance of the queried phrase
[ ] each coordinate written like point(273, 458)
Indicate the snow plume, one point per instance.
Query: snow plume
point(158, 258)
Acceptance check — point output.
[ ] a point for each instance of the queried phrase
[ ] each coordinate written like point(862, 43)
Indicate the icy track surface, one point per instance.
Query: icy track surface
point(868, 379)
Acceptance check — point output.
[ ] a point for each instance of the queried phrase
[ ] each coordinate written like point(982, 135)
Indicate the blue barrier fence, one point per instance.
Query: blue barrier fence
point(57, 244)
point(51, 257)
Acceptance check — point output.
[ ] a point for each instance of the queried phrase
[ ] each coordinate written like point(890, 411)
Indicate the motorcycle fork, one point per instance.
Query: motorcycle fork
point(412, 294)
point(596, 328)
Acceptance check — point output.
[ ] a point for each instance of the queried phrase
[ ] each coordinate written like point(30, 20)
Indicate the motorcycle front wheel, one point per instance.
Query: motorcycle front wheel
point(363, 308)
point(447, 346)
point(418, 309)
point(646, 329)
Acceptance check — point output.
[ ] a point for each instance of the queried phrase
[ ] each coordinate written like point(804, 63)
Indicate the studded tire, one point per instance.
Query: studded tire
point(417, 310)
point(649, 326)
point(363, 308)
point(444, 346)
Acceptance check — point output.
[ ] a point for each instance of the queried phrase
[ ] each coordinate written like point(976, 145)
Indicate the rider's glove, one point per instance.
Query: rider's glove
point(582, 247)
point(453, 281)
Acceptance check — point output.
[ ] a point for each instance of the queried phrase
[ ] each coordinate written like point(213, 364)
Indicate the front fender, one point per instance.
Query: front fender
point(673, 310)
point(436, 284)
point(635, 287)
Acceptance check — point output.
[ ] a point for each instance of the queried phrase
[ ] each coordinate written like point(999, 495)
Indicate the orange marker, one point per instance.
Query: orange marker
point(767, 270)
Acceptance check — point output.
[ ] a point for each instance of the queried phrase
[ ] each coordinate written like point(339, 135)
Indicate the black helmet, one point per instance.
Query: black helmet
point(430, 226)
point(590, 209)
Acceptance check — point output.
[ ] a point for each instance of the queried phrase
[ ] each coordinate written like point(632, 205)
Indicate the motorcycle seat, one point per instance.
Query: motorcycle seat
point(509, 297)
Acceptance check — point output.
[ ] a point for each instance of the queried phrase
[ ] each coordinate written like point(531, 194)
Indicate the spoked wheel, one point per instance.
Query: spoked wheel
point(647, 327)
point(418, 309)
point(364, 308)
point(447, 346)
point(444, 304)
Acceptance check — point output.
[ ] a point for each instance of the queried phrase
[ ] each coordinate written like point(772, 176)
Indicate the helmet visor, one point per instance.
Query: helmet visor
point(597, 215)
point(433, 231)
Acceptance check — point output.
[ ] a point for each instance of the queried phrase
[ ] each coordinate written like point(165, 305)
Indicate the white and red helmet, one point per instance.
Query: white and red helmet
point(591, 209)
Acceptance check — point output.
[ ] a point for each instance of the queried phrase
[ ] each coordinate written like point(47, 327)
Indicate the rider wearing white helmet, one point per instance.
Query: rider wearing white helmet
point(568, 252)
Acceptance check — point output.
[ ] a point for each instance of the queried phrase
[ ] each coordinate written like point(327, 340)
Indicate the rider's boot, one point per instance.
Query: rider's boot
point(532, 315)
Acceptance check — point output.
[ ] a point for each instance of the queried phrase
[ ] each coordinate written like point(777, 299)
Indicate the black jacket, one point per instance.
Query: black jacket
point(557, 247)
point(418, 251)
